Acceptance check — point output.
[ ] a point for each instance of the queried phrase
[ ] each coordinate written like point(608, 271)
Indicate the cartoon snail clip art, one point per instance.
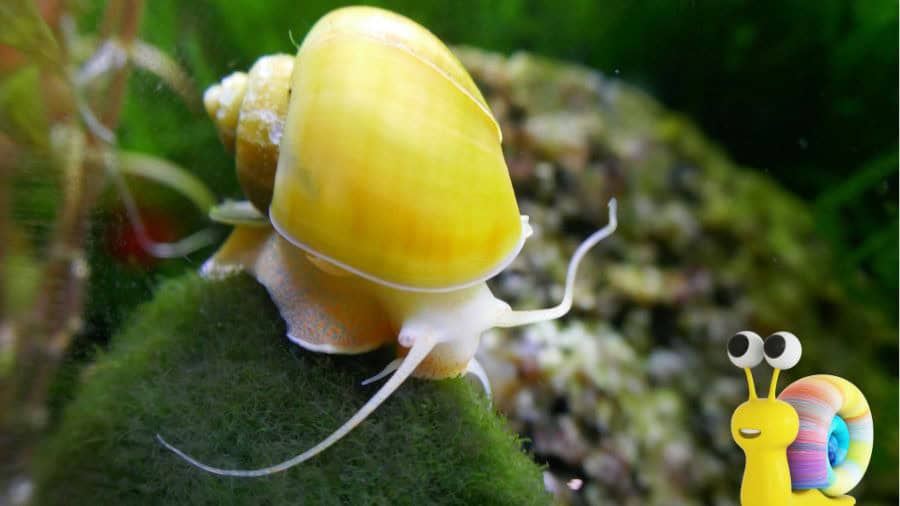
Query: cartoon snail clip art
point(810, 445)
point(389, 203)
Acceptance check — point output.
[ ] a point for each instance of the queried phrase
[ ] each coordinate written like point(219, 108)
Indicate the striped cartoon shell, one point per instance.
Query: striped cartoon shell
point(834, 445)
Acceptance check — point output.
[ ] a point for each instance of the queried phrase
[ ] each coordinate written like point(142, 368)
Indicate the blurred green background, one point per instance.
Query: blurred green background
point(804, 91)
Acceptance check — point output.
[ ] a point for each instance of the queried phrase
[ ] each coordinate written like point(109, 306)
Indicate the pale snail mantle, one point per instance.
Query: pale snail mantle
point(394, 242)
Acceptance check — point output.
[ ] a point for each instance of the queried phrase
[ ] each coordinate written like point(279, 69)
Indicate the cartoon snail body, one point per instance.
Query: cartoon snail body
point(812, 444)
point(390, 207)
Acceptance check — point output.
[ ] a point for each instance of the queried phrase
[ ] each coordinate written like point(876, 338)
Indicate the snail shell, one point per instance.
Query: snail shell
point(249, 110)
point(834, 445)
point(391, 165)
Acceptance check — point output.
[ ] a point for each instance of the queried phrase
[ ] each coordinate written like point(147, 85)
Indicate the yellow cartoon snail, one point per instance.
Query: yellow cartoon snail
point(390, 206)
point(809, 446)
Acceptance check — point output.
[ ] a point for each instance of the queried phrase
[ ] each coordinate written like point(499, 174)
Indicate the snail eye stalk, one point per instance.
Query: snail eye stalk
point(782, 351)
point(745, 350)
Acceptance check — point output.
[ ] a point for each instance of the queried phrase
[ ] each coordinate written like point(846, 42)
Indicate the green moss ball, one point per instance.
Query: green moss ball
point(206, 365)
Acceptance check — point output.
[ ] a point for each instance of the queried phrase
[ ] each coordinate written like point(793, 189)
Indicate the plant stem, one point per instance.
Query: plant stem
point(41, 337)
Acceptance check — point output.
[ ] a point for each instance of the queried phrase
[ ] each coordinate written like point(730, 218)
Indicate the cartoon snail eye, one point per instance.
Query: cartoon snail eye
point(783, 350)
point(745, 349)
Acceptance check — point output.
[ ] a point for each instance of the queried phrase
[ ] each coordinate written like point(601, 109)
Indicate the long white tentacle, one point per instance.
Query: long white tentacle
point(517, 318)
point(420, 349)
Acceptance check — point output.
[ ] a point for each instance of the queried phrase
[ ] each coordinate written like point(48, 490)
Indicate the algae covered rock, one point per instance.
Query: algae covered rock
point(207, 365)
point(631, 394)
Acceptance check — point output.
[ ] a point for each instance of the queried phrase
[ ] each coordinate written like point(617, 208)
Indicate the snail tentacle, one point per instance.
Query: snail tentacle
point(475, 368)
point(388, 369)
point(518, 318)
point(421, 347)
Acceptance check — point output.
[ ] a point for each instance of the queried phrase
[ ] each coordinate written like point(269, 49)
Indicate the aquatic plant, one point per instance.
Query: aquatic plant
point(61, 96)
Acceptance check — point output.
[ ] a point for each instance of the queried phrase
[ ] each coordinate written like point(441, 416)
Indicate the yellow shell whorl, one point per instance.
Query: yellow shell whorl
point(223, 104)
point(249, 110)
point(392, 29)
point(391, 165)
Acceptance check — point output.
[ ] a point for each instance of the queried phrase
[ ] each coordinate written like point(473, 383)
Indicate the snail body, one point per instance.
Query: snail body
point(810, 445)
point(391, 203)
point(341, 313)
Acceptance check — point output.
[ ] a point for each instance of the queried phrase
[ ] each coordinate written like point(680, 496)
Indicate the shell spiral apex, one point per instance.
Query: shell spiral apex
point(391, 165)
point(248, 111)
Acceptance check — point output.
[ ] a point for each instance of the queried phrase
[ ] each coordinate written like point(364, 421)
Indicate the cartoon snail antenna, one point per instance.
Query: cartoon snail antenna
point(782, 350)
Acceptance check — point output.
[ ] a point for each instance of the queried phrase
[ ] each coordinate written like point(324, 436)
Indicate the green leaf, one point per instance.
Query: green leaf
point(879, 245)
point(169, 174)
point(25, 30)
point(871, 174)
point(22, 112)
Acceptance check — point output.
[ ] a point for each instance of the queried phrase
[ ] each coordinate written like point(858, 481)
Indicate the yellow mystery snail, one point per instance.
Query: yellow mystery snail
point(390, 206)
